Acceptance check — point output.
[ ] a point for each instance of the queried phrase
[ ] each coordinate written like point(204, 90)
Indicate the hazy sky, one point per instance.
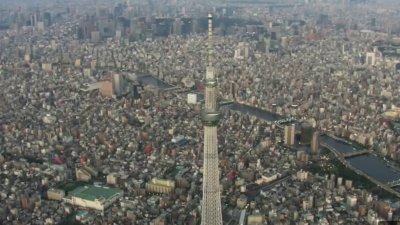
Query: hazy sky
point(13, 4)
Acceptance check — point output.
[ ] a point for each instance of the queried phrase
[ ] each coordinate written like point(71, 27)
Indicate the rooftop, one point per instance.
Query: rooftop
point(90, 192)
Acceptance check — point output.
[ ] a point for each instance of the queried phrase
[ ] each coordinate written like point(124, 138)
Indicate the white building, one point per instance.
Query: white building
point(192, 98)
point(242, 51)
point(351, 201)
point(370, 59)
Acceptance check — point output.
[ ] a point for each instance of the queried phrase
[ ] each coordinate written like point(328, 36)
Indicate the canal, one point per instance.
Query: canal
point(369, 164)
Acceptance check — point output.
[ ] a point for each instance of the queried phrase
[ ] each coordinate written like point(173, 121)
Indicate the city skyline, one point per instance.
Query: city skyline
point(197, 113)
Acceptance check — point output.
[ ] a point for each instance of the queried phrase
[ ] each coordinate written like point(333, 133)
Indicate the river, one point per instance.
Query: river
point(375, 167)
point(254, 111)
point(150, 80)
point(369, 164)
point(339, 146)
point(245, 109)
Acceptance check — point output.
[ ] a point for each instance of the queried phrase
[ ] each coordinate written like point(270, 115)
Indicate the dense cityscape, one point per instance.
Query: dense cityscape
point(156, 112)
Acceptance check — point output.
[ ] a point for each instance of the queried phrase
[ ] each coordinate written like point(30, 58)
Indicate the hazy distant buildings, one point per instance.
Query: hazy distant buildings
point(33, 20)
point(47, 19)
point(177, 27)
point(40, 26)
point(95, 36)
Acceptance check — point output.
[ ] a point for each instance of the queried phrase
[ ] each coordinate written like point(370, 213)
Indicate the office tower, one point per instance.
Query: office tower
point(177, 27)
point(187, 26)
point(95, 36)
point(211, 205)
point(40, 26)
point(33, 20)
point(289, 134)
point(370, 61)
point(315, 143)
point(373, 22)
point(47, 19)
point(233, 90)
point(242, 51)
point(118, 84)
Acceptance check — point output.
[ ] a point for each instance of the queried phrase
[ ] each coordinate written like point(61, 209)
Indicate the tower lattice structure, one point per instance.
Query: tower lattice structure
point(211, 205)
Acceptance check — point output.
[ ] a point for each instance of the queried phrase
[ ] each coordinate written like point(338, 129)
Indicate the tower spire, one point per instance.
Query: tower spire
point(210, 39)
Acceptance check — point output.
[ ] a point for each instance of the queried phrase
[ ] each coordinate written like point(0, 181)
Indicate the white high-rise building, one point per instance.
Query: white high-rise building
point(289, 134)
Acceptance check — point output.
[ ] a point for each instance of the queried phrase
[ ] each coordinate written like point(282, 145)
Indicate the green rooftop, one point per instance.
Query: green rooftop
point(70, 186)
point(91, 192)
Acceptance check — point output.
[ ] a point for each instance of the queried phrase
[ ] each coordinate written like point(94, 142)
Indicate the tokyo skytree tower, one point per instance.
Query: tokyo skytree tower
point(211, 204)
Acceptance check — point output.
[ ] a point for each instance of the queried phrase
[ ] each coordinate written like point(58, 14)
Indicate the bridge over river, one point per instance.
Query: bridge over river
point(356, 153)
point(364, 163)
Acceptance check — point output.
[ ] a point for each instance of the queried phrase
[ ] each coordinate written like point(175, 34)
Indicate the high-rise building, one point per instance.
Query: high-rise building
point(315, 143)
point(33, 20)
point(47, 19)
point(211, 213)
point(25, 202)
point(95, 36)
point(118, 84)
point(370, 59)
point(177, 27)
point(290, 133)
point(242, 51)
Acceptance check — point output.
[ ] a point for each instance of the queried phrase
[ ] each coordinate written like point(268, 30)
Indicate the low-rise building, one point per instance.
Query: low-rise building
point(94, 197)
point(160, 186)
point(55, 194)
